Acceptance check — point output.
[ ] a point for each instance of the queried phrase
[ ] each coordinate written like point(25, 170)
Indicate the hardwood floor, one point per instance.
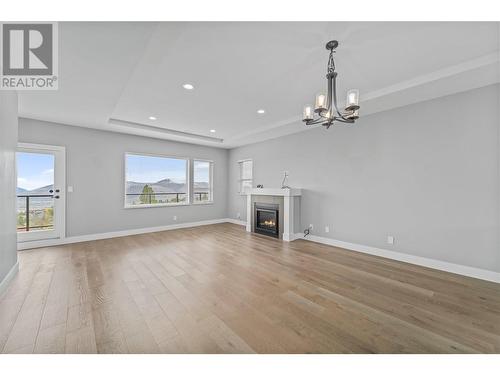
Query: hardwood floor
point(218, 289)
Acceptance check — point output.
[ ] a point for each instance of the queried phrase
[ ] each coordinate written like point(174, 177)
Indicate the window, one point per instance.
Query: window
point(202, 181)
point(35, 182)
point(246, 175)
point(155, 181)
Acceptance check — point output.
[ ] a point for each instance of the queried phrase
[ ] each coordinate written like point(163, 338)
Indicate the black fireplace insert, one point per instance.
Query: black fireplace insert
point(266, 218)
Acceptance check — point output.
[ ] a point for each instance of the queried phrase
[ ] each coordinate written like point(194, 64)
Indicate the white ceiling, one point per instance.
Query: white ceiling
point(113, 76)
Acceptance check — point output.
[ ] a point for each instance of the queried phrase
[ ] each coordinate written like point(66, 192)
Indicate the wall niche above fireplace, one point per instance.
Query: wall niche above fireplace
point(266, 218)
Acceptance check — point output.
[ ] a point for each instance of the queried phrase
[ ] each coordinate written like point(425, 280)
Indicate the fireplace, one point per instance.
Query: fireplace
point(266, 218)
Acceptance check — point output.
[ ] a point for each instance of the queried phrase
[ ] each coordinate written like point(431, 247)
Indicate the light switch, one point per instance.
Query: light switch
point(70, 189)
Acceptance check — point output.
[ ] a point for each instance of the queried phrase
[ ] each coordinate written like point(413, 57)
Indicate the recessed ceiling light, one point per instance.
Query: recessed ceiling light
point(261, 111)
point(212, 130)
point(188, 86)
point(152, 118)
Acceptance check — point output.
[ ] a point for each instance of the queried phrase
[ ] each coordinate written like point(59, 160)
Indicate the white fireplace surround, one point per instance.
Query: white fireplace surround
point(288, 207)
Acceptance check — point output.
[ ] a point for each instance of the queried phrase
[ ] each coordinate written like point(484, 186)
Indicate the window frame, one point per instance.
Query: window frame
point(210, 183)
point(240, 179)
point(188, 179)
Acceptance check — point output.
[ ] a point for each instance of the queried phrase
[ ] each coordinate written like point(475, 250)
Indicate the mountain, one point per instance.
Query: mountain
point(38, 191)
point(200, 186)
point(167, 186)
point(164, 186)
point(42, 190)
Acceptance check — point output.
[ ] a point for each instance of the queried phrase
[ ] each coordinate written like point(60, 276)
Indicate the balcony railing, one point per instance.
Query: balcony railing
point(35, 218)
point(201, 196)
point(41, 218)
point(155, 198)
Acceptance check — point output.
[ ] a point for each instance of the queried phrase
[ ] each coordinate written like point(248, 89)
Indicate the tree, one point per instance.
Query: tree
point(21, 220)
point(148, 195)
point(48, 217)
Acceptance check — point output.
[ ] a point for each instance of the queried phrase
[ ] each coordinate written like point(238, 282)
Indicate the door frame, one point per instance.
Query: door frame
point(59, 175)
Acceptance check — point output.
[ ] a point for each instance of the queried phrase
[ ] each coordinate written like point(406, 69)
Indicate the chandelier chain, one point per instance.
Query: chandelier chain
point(331, 63)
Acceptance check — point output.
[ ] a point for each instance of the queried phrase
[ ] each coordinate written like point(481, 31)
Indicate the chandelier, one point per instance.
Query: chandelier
point(326, 111)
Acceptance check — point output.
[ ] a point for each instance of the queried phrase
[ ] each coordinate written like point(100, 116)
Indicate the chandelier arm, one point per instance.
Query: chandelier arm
point(320, 120)
point(342, 117)
point(334, 84)
point(344, 120)
point(341, 114)
point(330, 93)
point(315, 121)
point(321, 114)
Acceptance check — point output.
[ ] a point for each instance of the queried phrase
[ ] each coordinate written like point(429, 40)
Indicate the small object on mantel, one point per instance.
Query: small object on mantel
point(260, 186)
point(284, 182)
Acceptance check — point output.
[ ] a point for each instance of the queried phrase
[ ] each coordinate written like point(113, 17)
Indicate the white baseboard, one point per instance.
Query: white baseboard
point(477, 273)
point(6, 280)
point(413, 259)
point(236, 221)
point(121, 233)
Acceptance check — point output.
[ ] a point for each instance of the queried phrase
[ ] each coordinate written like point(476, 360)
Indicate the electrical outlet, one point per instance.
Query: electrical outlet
point(327, 229)
point(311, 227)
point(390, 240)
point(286, 173)
point(70, 189)
point(175, 218)
point(238, 216)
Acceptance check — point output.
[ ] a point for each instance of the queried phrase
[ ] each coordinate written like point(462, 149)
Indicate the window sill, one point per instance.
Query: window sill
point(202, 203)
point(156, 205)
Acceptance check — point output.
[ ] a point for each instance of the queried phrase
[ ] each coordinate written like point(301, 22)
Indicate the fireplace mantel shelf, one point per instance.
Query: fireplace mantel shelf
point(277, 192)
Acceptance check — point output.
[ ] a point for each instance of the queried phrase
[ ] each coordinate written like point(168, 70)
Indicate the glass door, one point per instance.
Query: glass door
point(40, 195)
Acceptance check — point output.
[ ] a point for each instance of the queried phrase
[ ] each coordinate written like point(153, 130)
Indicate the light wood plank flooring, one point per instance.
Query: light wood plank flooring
point(218, 289)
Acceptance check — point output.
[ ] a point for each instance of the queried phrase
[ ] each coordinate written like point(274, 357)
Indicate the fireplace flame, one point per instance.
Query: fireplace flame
point(270, 223)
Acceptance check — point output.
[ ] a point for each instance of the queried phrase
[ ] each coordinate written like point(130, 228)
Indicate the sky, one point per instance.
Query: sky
point(201, 169)
point(153, 169)
point(34, 170)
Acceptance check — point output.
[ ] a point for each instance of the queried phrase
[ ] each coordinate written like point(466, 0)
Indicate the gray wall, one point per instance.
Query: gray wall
point(95, 169)
point(428, 174)
point(8, 143)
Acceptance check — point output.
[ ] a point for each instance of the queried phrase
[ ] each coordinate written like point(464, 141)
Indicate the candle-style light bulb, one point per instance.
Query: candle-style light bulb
point(352, 102)
point(308, 113)
point(320, 103)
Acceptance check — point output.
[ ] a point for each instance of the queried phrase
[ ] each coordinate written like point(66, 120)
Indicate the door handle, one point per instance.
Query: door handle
point(51, 191)
point(56, 196)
